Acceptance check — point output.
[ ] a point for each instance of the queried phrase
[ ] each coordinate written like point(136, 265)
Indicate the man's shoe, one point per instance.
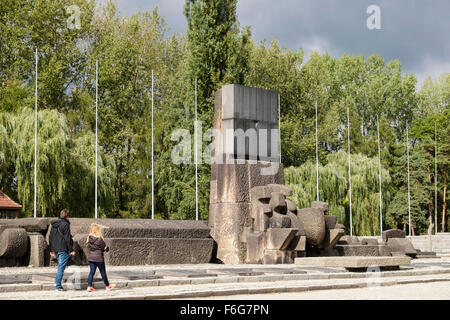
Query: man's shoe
point(90, 289)
point(110, 287)
point(60, 289)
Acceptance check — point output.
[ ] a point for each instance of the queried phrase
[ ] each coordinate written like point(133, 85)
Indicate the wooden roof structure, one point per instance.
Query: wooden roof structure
point(7, 204)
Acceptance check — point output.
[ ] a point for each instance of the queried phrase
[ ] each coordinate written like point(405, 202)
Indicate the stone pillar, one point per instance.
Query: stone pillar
point(38, 247)
point(246, 155)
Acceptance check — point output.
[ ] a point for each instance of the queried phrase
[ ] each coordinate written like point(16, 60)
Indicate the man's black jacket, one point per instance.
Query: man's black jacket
point(60, 238)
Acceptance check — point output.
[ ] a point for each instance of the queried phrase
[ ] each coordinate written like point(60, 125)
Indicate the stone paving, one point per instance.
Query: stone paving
point(207, 280)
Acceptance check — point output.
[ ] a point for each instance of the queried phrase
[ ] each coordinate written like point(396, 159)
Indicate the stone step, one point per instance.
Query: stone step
point(50, 286)
point(353, 263)
point(199, 292)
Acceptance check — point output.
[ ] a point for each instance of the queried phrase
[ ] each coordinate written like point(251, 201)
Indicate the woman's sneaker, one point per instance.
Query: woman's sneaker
point(110, 287)
point(90, 289)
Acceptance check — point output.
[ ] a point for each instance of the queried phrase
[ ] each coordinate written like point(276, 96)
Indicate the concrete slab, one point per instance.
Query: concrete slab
point(236, 272)
point(320, 270)
point(184, 273)
point(279, 271)
point(83, 276)
point(353, 262)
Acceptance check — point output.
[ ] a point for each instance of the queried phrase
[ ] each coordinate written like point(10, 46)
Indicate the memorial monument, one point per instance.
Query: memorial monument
point(250, 217)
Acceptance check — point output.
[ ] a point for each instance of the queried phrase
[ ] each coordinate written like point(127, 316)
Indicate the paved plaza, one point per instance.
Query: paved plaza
point(206, 281)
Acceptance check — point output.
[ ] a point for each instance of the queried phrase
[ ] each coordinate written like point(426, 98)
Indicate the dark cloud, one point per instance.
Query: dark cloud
point(416, 32)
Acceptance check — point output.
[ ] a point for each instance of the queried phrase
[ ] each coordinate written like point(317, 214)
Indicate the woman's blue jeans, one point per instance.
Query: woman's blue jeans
point(102, 268)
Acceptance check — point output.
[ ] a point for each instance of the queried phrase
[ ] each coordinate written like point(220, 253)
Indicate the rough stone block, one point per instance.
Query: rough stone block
point(29, 224)
point(349, 240)
point(368, 241)
point(255, 247)
point(383, 250)
point(332, 237)
point(142, 228)
point(279, 238)
point(320, 205)
point(277, 202)
point(259, 193)
point(279, 175)
point(138, 251)
point(330, 222)
point(291, 207)
point(401, 245)
point(298, 243)
point(358, 250)
point(213, 190)
point(38, 248)
point(13, 242)
point(200, 250)
point(295, 223)
point(231, 219)
point(283, 189)
point(278, 256)
point(81, 248)
point(259, 215)
point(233, 183)
point(257, 176)
point(392, 233)
point(128, 251)
point(279, 220)
point(313, 222)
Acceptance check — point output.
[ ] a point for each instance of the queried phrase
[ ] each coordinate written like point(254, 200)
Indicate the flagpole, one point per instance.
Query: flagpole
point(153, 186)
point(379, 172)
point(279, 123)
point(96, 136)
point(35, 135)
point(317, 158)
point(435, 179)
point(349, 171)
point(409, 197)
point(196, 162)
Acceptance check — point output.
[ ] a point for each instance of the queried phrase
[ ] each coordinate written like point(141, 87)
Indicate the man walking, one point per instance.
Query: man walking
point(61, 245)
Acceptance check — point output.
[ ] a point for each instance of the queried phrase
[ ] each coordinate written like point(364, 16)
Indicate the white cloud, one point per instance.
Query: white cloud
point(414, 32)
point(431, 67)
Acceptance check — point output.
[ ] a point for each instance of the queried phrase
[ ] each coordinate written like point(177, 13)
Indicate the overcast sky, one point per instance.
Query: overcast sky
point(416, 32)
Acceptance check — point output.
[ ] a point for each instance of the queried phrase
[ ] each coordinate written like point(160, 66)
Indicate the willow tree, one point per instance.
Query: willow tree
point(334, 189)
point(7, 181)
point(65, 166)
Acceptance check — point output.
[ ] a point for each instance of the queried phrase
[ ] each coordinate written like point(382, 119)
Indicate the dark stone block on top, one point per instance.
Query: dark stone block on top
point(358, 250)
point(369, 241)
point(402, 245)
point(29, 224)
point(330, 222)
point(392, 233)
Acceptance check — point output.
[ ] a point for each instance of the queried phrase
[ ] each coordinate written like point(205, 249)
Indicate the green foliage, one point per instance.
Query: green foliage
point(216, 50)
point(65, 166)
point(420, 189)
point(334, 189)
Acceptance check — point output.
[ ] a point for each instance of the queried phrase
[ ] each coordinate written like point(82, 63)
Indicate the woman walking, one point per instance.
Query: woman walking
point(96, 260)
